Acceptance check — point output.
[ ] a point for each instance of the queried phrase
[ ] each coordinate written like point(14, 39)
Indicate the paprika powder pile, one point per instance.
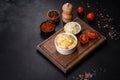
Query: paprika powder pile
point(47, 27)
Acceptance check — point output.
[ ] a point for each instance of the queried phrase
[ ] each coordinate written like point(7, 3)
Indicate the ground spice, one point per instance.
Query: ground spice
point(53, 14)
point(47, 27)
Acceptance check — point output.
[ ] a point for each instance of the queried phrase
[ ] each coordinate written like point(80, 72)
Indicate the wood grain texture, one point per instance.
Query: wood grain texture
point(67, 62)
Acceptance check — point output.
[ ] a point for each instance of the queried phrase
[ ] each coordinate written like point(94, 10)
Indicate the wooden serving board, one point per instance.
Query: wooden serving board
point(67, 62)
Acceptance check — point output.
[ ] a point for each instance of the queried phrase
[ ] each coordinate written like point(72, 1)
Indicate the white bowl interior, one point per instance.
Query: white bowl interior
point(73, 23)
point(66, 51)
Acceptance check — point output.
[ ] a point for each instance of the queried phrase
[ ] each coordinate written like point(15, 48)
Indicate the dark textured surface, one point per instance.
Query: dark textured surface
point(20, 34)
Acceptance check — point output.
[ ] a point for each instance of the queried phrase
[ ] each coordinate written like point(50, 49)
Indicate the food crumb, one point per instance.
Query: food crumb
point(85, 76)
point(88, 5)
point(90, 74)
point(73, 77)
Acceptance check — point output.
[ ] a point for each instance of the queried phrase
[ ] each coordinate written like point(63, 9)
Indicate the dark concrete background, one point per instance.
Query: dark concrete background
point(19, 35)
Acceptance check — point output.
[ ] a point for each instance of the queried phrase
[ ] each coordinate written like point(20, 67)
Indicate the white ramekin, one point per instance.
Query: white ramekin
point(66, 51)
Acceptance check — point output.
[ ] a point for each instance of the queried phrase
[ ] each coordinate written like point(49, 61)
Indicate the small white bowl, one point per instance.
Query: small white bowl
point(72, 27)
point(69, 50)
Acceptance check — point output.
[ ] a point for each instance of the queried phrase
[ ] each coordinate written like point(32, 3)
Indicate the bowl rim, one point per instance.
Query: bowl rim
point(75, 23)
point(68, 34)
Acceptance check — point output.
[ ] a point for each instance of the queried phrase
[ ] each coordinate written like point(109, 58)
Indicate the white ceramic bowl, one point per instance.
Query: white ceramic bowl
point(68, 50)
point(72, 27)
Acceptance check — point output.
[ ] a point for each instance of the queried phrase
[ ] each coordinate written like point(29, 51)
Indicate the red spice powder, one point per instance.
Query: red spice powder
point(47, 27)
